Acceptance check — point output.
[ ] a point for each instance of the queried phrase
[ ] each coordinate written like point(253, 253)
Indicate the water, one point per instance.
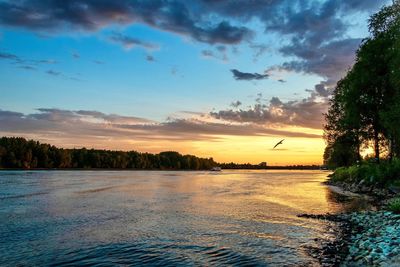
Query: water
point(161, 218)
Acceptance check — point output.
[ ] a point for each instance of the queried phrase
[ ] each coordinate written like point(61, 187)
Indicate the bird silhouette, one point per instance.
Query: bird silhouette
point(279, 143)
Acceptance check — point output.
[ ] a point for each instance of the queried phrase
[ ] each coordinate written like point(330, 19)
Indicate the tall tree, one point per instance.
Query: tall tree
point(365, 104)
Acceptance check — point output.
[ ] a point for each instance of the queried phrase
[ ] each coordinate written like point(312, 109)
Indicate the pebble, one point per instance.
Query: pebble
point(377, 243)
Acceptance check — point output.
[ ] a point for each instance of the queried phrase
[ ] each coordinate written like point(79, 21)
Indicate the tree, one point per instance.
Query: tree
point(365, 104)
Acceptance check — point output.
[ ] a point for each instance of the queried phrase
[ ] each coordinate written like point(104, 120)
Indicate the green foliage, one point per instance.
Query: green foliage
point(341, 153)
point(365, 103)
point(20, 153)
point(394, 205)
point(384, 174)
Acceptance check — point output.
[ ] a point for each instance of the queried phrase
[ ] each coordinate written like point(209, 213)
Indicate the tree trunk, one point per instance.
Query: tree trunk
point(391, 148)
point(376, 143)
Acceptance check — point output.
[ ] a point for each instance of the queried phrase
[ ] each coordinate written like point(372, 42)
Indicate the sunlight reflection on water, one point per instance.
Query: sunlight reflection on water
point(161, 218)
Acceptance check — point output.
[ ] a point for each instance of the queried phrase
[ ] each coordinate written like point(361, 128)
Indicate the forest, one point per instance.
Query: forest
point(19, 153)
point(364, 109)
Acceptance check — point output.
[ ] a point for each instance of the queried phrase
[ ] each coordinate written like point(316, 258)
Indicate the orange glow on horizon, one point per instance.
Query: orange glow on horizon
point(224, 149)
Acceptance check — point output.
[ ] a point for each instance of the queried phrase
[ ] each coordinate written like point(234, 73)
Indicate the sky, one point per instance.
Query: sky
point(221, 79)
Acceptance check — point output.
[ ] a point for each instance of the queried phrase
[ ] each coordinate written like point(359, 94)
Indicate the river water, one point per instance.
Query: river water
point(181, 218)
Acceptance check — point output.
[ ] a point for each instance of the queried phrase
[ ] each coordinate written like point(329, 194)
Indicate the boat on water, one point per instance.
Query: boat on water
point(216, 169)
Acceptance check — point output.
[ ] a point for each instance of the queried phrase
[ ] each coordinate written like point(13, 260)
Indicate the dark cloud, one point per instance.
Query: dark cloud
point(4, 114)
point(330, 61)
point(64, 76)
point(207, 53)
point(98, 62)
point(304, 113)
point(150, 58)
point(27, 67)
point(236, 104)
point(220, 53)
point(76, 55)
point(53, 73)
point(281, 81)
point(238, 75)
point(9, 56)
point(174, 16)
point(20, 60)
point(315, 32)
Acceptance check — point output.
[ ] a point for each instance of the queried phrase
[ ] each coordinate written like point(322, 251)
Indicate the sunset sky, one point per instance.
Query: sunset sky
point(221, 79)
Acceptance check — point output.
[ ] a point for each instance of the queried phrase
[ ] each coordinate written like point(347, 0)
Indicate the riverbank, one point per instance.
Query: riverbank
point(363, 238)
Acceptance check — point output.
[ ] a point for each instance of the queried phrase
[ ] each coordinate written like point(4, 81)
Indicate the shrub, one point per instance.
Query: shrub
point(382, 174)
point(394, 205)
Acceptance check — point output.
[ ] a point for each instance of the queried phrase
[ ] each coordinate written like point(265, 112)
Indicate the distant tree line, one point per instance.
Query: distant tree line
point(17, 152)
point(365, 106)
point(264, 166)
point(232, 165)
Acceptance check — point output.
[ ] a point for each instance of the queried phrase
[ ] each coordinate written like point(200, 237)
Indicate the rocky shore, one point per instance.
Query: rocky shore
point(366, 238)
point(378, 194)
point(374, 239)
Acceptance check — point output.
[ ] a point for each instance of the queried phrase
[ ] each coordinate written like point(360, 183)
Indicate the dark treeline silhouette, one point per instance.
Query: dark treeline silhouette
point(233, 165)
point(365, 106)
point(264, 166)
point(19, 153)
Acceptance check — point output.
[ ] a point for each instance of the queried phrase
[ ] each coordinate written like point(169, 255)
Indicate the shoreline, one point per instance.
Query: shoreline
point(127, 169)
point(363, 238)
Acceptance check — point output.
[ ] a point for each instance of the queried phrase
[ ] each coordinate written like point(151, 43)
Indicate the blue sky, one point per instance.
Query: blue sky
point(185, 79)
point(171, 62)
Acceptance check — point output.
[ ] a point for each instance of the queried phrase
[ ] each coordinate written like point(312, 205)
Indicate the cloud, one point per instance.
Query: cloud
point(259, 50)
point(173, 16)
point(53, 73)
point(14, 59)
point(129, 42)
point(221, 48)
point(236, 104)
point(27, 67)
point(45, 61)
point(303, 113)
point(62, 75)
point(80, 126)
point(76, 55)
point(150, 58)
point(9, 56)
point(220, 53)
point(311, 31)
point(315, 33)
point(327, 60)
point(207, 53)
point(238, 75)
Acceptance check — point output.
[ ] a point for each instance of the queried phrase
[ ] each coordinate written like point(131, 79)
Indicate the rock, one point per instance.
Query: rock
point(394, 189)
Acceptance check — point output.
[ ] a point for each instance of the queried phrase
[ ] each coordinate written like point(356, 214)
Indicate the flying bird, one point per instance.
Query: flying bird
point(279, 143)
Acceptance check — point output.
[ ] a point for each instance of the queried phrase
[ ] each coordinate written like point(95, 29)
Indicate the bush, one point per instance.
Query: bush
point(394, 205)
point(383, 174)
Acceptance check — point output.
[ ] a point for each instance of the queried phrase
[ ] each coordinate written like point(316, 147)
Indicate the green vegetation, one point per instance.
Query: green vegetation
point(16, 152)
point(385, 174)
point(365, 106)
point(394, 205)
